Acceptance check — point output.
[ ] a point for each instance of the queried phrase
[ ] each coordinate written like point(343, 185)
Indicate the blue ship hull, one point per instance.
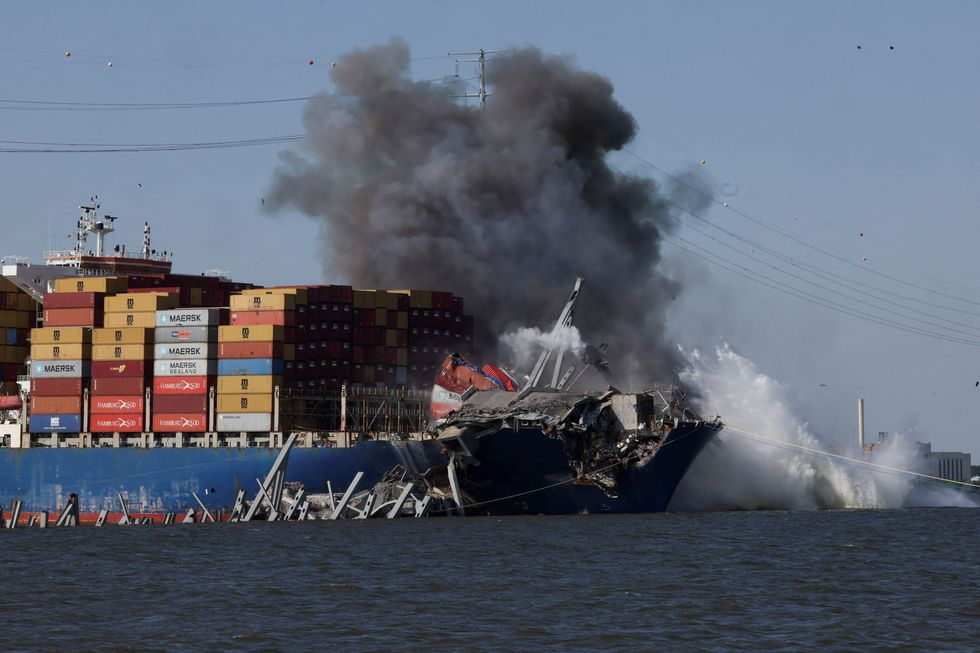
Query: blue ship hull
point(527, 472)
point(161, 480)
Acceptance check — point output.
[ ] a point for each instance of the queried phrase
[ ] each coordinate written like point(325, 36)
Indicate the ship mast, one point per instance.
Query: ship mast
point(90, 222)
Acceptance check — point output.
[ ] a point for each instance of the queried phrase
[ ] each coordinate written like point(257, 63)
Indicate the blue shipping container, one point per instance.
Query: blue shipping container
point(55, 424)
point(11, 337)
point(249, 366)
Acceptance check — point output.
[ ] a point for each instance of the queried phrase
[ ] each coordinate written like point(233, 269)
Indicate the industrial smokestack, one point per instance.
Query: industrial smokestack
point(861, 425)
point(505, 206)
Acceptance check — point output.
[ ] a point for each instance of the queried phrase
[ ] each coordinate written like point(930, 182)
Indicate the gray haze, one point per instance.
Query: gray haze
point(504, 206)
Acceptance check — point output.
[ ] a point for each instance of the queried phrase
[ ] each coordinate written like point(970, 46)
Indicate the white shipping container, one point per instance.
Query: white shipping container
point(60, 369)
point(189, 317)
point(196, 367)
point(182, 351)
point(186, 334)
point(247, 422)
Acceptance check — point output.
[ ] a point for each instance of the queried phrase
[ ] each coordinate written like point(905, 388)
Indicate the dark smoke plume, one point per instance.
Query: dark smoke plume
point(504, 206)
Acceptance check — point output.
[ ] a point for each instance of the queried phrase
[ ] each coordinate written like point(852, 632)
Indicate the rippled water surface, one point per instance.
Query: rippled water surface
point(846, 580)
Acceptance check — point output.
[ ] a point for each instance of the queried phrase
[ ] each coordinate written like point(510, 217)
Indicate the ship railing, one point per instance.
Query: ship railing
point(14, 259)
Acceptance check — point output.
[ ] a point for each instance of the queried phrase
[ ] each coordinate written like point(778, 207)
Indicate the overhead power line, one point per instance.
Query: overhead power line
point(49, 105)
point(37, 147)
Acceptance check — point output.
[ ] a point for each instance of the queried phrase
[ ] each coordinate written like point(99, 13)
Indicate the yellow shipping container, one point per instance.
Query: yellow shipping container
point(363, 299)
point(390, 300)
point(92, 284)
point(122, 336)
point(8, 319)
point(369, 374)
point(229, 385)
point(256, 332)
point(24, 319)
point(251, 403)
point(196, 297)
point(13, 355)
point(289, 352)
point(403, 319)
point(122, 352)
point(138, 302)
point(25, 303)
point(61, 336)
point(7, 286)
point(262, 302)
point(416, 298)
point(145, 319)
point(380, 317)
point(401, 356)
point(60, 352)
point(301, 294)
point(391, 338)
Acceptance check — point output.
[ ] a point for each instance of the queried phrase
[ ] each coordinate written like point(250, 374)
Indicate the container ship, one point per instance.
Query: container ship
point(123, 381)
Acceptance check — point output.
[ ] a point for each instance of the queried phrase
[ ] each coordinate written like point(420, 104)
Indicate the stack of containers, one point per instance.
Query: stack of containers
point(184, 368)
point(252, 352)
point(17, 314)
point(59, 373)
point(122, 356)
point(437, 327)
point(380, 338)
point(326, 344)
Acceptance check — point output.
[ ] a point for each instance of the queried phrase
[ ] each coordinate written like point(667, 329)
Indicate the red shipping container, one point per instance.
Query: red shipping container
point(134, 385)
point(250, 349)
point(55, 387)
point(56, 317)
point(116, 405)
point(121, 369)
point(73, 300)
point(180, 404)
point(116, 423)
point(56, 405)
point(248, 318)
point(172, 423)
point(180, 385)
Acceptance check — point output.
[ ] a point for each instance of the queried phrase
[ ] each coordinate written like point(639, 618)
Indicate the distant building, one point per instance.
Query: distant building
point(948, 465)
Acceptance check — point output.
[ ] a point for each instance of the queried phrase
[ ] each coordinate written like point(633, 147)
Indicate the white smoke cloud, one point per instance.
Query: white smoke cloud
point(525, 344)
point(736, 472)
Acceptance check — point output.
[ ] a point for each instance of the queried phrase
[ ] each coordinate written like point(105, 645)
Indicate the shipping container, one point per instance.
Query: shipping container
point(121, 369)
point(55, 423)
point(255, 384)
point(140, 303)
point(61, 336)
point(121, 352)
point(60, 352)
point(122, 336)
point(250, 366)
point(73, 300)
point(202, 317)
point(91, 284)
point(301, 294)
point(145, 319)
point(183, 351)
point(56, 387)
point(180, 423)
point(183, 385)
point(261, 332)
point(120, 423)
point(115, 404)
point(56, 405)
point(253, 349)
point(276, 318)
point(186, 334)
point(197, 367)
point(62, 317)
point(244, 422)
point(126, 385)
point(60, 369)
point(180, 404)
point(269, 302)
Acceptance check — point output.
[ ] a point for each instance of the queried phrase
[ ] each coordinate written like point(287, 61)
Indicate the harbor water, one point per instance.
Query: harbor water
point(890, 580)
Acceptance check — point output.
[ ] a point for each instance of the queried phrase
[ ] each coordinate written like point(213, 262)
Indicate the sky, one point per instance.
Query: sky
point(841, 135)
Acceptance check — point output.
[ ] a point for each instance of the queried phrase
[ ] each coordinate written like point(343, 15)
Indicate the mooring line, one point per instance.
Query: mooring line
point(865, 463)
